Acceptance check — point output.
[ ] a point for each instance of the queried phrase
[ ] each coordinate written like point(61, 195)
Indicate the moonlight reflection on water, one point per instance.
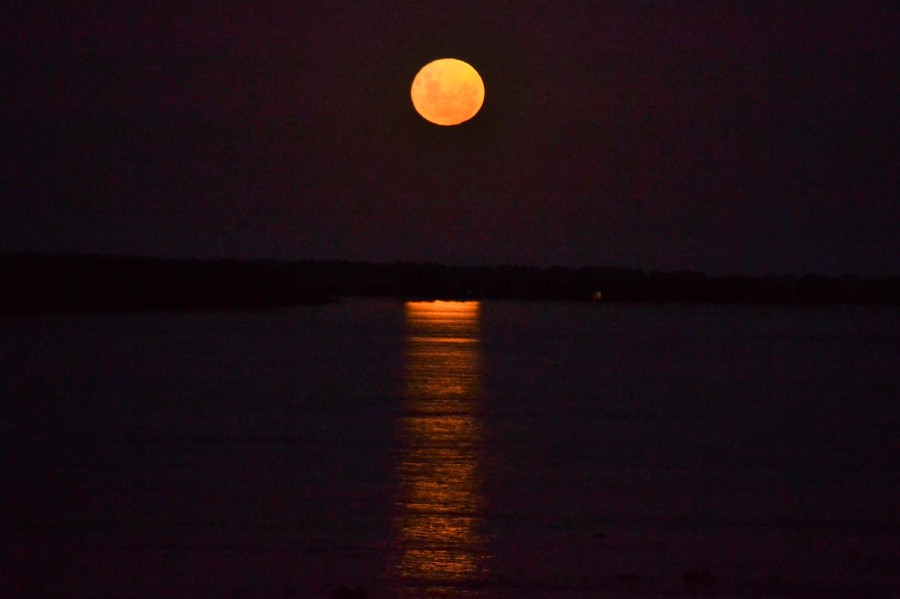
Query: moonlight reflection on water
point(439, 541)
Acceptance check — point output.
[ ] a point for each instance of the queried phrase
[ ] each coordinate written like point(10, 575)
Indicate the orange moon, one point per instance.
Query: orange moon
point(447, 91)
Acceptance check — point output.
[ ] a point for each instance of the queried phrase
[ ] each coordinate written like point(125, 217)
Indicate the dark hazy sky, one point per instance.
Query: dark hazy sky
point(727, 136)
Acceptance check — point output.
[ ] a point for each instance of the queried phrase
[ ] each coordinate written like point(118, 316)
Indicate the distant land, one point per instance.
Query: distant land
point(34, 283)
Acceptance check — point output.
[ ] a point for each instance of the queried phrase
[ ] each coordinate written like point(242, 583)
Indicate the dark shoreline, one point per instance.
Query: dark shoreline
point(37, 283)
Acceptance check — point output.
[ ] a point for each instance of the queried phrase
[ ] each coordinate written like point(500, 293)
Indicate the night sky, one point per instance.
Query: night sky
point(724, 136)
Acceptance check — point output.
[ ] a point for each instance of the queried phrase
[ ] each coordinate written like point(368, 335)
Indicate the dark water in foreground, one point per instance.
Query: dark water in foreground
point(434, 449)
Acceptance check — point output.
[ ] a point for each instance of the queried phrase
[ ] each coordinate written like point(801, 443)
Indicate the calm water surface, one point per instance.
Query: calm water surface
point(452, 449)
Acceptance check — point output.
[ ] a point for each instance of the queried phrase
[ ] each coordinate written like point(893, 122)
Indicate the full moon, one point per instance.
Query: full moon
point(447, 91)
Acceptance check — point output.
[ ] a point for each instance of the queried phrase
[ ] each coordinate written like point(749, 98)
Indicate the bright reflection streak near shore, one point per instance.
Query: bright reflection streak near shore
point(440, 507)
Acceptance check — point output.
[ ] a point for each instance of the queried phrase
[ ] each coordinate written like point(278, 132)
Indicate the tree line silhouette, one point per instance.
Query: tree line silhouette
point(75, 282)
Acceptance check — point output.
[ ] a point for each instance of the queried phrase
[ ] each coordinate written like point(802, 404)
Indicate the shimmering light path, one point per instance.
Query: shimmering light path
point(439, 519)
